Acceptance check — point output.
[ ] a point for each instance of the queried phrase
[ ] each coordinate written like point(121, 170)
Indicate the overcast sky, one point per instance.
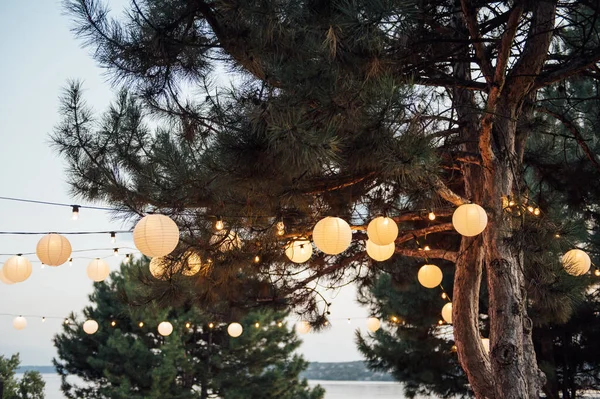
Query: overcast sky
point(38, 55)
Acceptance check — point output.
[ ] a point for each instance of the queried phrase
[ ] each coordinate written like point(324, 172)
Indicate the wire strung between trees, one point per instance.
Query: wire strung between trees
point(65, 232)
point(98, 208)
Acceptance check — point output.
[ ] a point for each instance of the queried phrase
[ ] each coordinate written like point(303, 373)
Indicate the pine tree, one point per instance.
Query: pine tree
point(127, 358)
point(30, 386)
point(354, 109)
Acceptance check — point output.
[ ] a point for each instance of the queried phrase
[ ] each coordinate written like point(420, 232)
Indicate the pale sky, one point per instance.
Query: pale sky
point(38, 55)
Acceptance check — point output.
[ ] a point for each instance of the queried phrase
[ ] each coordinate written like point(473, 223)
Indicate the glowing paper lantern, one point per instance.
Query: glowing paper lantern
point(156, 235)
point(158, 268)
point(165, 328)
point(17, 269)
point(90, 327)
point(382, 231)
point(20, 323)
point(191, 263)
point(98, 270)
point(469, 220)
point(235, 330)
point(3, 277)
point(380, 252)
point(332, 235)
point(576, 262)
point(486, 344)
point(373, 324)
point(226, 240)
point(53, 249)
point(447, 312)
point(303, 327)
point(430, 276)
point(298, 251)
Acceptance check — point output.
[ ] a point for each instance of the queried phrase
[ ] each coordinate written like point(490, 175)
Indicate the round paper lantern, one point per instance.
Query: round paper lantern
point(298, 251)
point(382, 231)
point(380, 252)
point(430, 276)
point(191, 263)
point(235, 330)
point(486, 344)
point(3, 277)
point(447, 312)
point(53, 249)
point(226, 240)
point(90, 327)
point(332, 235)
point(20, 323)
point(156, 235)
point(576, 262)
point(17, 269)
point(373, 324)
point(469, 220)
point(158, 268)
point(303, 327)
point(98, 270)
point(165, 328)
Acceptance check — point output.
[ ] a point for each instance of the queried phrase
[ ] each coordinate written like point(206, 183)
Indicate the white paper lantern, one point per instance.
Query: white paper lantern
point(382, 231)
point(156, 235)
point(298, 251)
point(380, 252)
point(332, 235)
point(235, 330)
point(486, 344)
point(576, 262)
point(3, 277)
point(53, 249)
point(17, 269)
point(20, 323)
point(191, 263)
point(469, 220)
point(165, 328)
point(226, 240)
point(447, 312)
point(373, 324)
point(430, 276)
point(90, 327)
point(98, 270)
point(158, 268)
point(303, 327)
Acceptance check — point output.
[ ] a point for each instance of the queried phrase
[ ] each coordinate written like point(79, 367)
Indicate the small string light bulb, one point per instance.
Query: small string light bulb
point(70, 262)
point(44, 319)
point(427, 248)
point(127, 258)
point(431, 216)
point(66, 321)
point(113, 323)
point(326, 323)
point(394, 319)
point(454, 348)
point(256, 259)
point(530, 208)
point(75, 209)
point(219, 225)
point(113, 237)
point(211, 325)
point(597, 272)
point(511, 203)
point(280, 324)
point(187, 325)
point(440, 322)
point(141, 324)
point(116, 251)
point(257, 325)
point(536, 211)
point(349, 320)
point(444, 295)
point(557, 235)
point(43, 266)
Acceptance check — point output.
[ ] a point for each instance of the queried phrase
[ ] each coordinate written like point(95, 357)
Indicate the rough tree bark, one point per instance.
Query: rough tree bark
point(510, 370)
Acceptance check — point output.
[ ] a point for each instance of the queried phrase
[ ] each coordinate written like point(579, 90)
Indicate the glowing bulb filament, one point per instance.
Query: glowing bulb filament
point(211, 325)
point(257, 325)
point(141, 324)
point(219, 225)
point(431, 216)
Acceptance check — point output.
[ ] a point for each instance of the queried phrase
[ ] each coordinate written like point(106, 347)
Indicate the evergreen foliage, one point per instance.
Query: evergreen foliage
point(355, 109)
point(132, 361)
point(30, 386)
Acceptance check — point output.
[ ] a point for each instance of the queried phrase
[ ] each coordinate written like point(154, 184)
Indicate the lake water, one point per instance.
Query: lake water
point(335, 389)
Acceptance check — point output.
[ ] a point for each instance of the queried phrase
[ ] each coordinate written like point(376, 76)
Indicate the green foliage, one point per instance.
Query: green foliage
point(129, 361)
point(30, 386)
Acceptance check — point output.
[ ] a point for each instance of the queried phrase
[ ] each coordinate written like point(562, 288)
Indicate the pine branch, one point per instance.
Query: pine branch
point(433, 254)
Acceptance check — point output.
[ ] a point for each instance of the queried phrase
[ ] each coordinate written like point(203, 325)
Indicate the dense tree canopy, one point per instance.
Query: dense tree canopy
point(30, 386)
point(354, 109)
point(198, 360)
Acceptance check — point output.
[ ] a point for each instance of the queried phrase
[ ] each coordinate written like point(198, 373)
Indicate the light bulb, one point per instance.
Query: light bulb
point(427, 248)
point(219, 225)
point(127, 258)
point(511, 203)
point(280, 324)
point(394, 319)
point(70, 261)
point(257, 325)
point(113, 323)
point(113, 237)
point(75, 212)
point(444, 295)
point(66, 321)
point(557, 235)
point(256, 259)
point(211, 325)
point(43, 266)
point(43, 319)
point(348, 320)
point(530, 208)
point(141, 324)
point(536, 211)
point(116, 251)
point(440, 322)
point(597, 273)
point(187, 325)
point(325, 323)
point(431, 216)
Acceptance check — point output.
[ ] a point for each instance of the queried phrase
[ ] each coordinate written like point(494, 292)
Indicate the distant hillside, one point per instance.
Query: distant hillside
point(348, 371)
point(41, 369)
